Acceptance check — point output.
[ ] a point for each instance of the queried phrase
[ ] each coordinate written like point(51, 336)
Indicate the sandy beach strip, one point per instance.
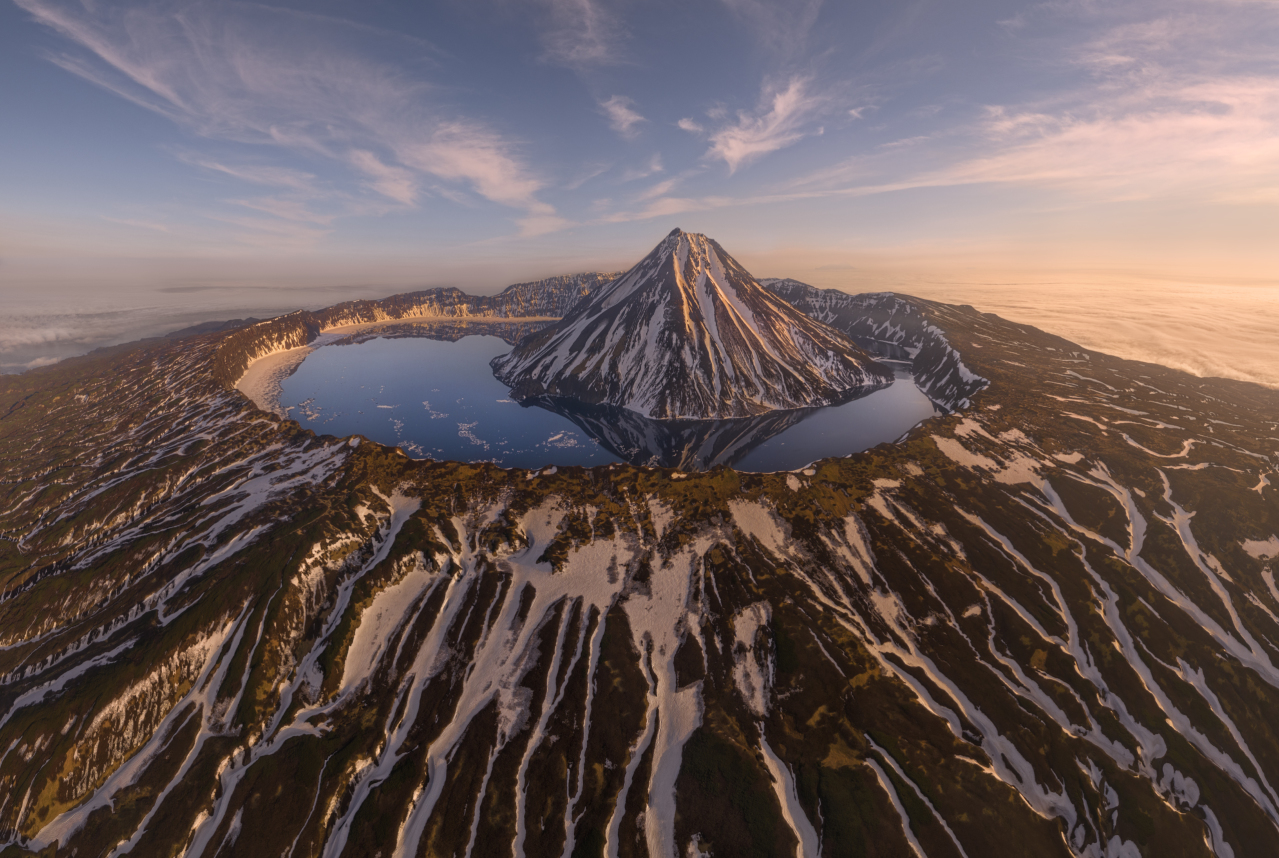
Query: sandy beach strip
point(263, 381)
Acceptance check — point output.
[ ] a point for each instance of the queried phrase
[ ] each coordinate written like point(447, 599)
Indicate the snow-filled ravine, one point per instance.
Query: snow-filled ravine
point(438, 399)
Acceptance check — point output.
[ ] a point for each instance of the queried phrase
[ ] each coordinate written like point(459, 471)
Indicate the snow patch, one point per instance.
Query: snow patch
point(807, 845)
point(753, 666)
point(1262, 549)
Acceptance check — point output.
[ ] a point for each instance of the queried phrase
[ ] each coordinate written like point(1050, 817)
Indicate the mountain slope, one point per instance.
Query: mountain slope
point(550, 296)
point(1043, 626)
point(688, 333)
point(893, 326)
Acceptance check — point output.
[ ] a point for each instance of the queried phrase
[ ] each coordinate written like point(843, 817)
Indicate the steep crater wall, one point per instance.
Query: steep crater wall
point(894, 327)
point(550, 298)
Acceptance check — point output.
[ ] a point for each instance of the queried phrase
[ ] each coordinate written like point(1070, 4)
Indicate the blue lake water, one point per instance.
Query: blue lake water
point(841, 430)
point(438, 399)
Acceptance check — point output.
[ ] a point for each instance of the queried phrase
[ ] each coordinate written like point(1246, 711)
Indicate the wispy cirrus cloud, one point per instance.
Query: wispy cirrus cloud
point(1144, 103)
point(1153, 101)
point(651, 168)
point(535, 225)
point(1214, 137)
point(661, 189)
point(665, 206)
point(622, 116)
point(783, 117)
point(1217, 141)
point(285, 209)
point(591, 171)
point(464, 151)
point(274, 232)
point(396, 183)
point(782, 25)
point(1173, 101)
point(220, 71)
point(140, 224)
point(579, 33)
point(258, 174)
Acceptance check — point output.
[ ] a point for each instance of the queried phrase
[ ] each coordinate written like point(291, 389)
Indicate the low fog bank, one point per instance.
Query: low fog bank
point(51, 310)
point(40, 336)
point(1207, 330)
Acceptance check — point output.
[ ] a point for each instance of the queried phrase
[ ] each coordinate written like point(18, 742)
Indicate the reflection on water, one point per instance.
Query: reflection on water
point(689, 445)
point(434, 399)
point(780, 441)
point(447, 330)
point(431, 393)
point(880, 417)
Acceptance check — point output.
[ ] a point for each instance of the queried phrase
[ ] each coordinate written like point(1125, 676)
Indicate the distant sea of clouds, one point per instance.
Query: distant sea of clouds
point(41, 325)
point(1227, 331)
point(1207, 330)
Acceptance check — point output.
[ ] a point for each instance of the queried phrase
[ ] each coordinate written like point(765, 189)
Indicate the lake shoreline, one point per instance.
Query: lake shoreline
point(262, 381)
point(436, 398)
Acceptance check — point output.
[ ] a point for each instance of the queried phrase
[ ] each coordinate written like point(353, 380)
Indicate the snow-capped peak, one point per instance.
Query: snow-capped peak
point(689, 333)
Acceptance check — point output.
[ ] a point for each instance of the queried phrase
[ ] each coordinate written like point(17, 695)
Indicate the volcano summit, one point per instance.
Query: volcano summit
point(688, 333)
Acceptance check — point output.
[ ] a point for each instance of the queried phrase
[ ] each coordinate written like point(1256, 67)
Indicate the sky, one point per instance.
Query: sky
point(168, 162)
